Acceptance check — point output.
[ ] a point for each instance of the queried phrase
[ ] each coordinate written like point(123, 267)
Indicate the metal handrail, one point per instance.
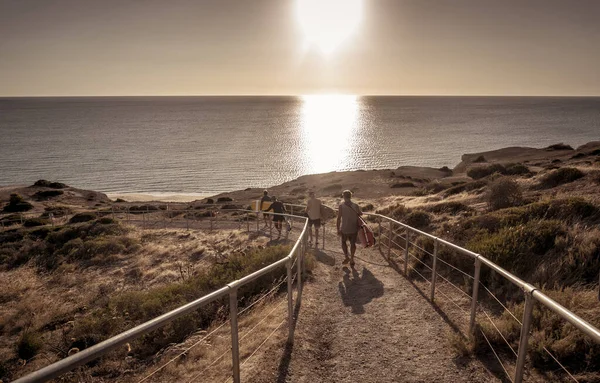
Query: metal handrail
point(65, 365)
point(531, 292)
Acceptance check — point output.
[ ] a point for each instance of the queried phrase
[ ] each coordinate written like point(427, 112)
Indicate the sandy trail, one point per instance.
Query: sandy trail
point(366, 325)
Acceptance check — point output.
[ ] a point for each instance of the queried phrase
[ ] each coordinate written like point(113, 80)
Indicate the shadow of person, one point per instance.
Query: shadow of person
point(324, 258)
point(360, 289)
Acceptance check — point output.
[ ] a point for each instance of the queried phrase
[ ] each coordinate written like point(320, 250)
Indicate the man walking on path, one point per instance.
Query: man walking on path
point(313, 210)
point(265, 198)
point(277, 207)
point(347, 225)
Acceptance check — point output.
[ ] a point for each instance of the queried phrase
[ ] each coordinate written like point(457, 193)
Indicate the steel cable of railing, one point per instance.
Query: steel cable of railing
point(496, 355)
point(500, 332)
point(210, 365)
point(452, 301)
point(560, 364)
point(259, 346)
point(263, 319)
point(500, 303)
point(212, 332)
point(421, 262)
point(182, 353)
point(263, 296)
point(454, 267)
point(466, 312)
point(397, 244)
point(420, 248)
point(421, 275)
point(456, 287)
point(244, 336)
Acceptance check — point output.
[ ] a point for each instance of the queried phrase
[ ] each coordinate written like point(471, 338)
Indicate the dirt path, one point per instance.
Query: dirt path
point(366, 325)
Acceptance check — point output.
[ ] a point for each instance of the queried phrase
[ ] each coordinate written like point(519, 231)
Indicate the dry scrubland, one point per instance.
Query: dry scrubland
point(66, 287)
point(535, 212)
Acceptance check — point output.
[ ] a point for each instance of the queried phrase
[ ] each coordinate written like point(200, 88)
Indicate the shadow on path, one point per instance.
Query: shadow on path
point(323, 257)
point(284, 364)
point(360, 289)
point(489, 362)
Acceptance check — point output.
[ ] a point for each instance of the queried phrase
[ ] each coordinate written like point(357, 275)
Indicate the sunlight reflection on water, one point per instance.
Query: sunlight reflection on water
point(329, 123)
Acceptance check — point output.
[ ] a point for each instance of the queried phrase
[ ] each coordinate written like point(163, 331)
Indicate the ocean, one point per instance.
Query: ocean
point(207, 145)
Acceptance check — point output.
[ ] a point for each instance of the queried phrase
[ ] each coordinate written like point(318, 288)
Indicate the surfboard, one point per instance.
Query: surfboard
point(256, 205)
point(365, 234)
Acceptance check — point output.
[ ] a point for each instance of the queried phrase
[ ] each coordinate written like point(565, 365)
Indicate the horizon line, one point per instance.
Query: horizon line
point(300, 95)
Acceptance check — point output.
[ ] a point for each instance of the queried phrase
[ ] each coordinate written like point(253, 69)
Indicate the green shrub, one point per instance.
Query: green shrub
point(517, 170)
point(120, 200)
point(560, 146)
point(548, 331)
point(560, 177)
point(484, 171)
point(48, 184)
point(32, 222)
point(418, 219)
point(465, 187)
point(402, 185)
point(47, 194)
point(17, 204)
point(29, 345)
point(453, 207)
point(504, 192)
point(518, 249)
point(83, 217)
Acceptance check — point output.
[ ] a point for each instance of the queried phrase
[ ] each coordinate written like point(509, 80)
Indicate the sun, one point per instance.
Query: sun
point(328, 23)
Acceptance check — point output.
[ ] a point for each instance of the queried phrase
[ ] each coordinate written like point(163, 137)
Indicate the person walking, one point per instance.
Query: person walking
point(277, 207)
point(265, 198)
point(347, 225)
point(313, 210)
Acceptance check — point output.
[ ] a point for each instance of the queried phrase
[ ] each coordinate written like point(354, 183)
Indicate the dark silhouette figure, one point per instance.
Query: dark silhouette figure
point(360, 289)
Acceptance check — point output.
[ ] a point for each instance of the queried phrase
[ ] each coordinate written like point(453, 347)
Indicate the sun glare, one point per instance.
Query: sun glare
point(329, 123)
point(328, 23)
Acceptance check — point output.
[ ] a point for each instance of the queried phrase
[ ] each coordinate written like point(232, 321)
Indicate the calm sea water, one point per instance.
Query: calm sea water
point(215, 144)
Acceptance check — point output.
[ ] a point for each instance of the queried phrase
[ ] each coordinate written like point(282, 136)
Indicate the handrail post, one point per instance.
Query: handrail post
point(390, 239)
point(235, 346)
point(290, 301)
point(475, 296)
point(524, 337)
point(379, 231)
point(248, 221)
point(433, 269)
point(406, 252)
point(299, 252)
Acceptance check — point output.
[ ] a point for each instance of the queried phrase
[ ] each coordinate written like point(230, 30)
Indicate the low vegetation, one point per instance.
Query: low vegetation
point(86, 244)
point(16, 204)
point(510, 169)
point(559, 177)
point(504, 192)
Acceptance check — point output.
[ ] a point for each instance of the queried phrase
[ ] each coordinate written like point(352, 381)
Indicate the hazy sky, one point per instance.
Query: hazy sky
point(172, 47)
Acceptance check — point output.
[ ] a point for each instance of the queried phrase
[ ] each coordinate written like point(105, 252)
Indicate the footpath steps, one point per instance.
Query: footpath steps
point(367, 325)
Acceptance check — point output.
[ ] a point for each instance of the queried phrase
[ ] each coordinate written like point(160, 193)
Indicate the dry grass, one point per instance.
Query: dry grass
point(56, 306)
